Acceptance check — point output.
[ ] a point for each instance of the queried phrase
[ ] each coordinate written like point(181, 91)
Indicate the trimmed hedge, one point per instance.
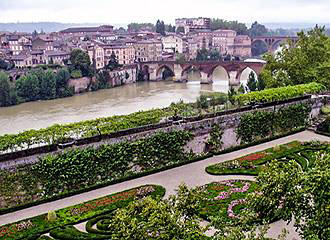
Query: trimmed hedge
point(293, 151)
point(279, 94)
point(38, 225)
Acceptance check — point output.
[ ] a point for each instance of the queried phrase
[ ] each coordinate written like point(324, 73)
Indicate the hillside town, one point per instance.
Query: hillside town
point(26, 50)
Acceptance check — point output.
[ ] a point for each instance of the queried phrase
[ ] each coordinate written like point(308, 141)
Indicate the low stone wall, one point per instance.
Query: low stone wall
point(200, 126)
point(80, 84)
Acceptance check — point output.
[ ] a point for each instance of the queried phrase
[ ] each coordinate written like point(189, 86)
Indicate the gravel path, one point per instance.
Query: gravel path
point(191, 174)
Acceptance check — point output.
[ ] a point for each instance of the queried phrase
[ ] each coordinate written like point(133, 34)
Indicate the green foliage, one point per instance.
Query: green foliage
point(4, 90)
point(28, 87)
point(261, 124)
point(48, 85)
point(160, 27)
point(240, 28)
point(299, 194)
point(135, 27)
point(279, 94)
point(208, 55)
point(153, 220)
point(215, 143)
point(252, 82)
point(113, 63)
point(257, 30)
point(84, 167)
point(307, 61)
point(76, 74)
point(81, 61)
point(35, 226)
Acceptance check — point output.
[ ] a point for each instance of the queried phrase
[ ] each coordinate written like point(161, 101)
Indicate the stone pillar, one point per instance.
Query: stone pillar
point(204, 78)
point(233, 78)
point(177, 73)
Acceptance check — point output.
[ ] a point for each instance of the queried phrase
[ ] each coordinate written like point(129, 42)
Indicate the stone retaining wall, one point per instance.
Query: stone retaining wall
point(201, 129)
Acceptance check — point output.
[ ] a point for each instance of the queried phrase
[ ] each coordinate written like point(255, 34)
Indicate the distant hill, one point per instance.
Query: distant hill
point(41, 26)
point(299, 26)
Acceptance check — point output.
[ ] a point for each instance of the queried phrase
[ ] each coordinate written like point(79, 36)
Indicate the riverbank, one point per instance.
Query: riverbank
point(103, 103)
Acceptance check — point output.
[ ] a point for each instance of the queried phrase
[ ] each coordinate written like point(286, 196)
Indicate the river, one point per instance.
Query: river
point(120, 100)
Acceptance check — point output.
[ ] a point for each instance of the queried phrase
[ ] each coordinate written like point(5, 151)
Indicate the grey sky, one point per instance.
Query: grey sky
point(125, 11)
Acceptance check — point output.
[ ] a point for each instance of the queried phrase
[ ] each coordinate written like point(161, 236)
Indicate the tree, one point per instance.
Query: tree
point(160, 27)
point(48, 86)
point(257, 30)
point(136, 27)
point(159, 219)
point(252, 82)
point(288, 191)
point(205, 55)
point(306, 61)
point(113, 62)
point(170, 28)
point(4, 90)
point(217, 23)
point(81, 61)
point(62, 78)
point(28, 87)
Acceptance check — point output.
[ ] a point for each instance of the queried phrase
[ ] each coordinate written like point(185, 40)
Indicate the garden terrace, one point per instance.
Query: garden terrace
point(252, 164)
point(79, 170)
point(279, 94)
point(65, 218)
point(32, 142)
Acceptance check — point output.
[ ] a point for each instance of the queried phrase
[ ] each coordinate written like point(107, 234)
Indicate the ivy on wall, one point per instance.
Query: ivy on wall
point(261, 124)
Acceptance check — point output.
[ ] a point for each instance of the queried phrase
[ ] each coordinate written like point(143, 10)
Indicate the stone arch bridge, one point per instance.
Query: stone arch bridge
point(231, 71)
point(274, 42)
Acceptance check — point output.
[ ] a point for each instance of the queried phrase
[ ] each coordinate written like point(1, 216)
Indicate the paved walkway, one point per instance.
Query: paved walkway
point(191, 174)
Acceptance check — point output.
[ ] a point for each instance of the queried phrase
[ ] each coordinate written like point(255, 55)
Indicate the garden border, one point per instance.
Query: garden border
point(147, 173)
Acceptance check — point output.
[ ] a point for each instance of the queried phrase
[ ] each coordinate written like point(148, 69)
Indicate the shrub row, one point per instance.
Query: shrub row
point(32, 228)
point(279, 94)
point(261, 124)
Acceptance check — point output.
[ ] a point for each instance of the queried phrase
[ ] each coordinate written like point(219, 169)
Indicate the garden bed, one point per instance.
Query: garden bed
point(32, 228)
point(226, 199)
point(253, 163)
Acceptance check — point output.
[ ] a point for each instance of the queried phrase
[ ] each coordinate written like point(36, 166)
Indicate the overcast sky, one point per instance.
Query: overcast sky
point(126, 11)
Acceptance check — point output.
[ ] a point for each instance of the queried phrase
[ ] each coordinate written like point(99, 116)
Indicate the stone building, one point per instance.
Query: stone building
point(191, 24)
point(148, 50)
point(173, 43)
point(97, 56)
point(125, 53)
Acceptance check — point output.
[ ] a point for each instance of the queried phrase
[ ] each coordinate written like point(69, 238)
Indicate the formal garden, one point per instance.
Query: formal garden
point(290, 181)
point(142, 213)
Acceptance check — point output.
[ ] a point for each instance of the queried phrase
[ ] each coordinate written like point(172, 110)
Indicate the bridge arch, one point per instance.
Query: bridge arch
point(244, 74)
point(259, 47)
point(162, 70)
point(277, 44)
point(190, 69)
point(221, 72)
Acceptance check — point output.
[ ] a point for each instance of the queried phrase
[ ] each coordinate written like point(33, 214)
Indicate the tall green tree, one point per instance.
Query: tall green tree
point(28, 87)
point(306, 61)
point(288, 191)
point(48, 86)
point(4, 90)
point(240, 28)
point(160, 27)
point(81, 61)
point(252, 82)
point(257, 30)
